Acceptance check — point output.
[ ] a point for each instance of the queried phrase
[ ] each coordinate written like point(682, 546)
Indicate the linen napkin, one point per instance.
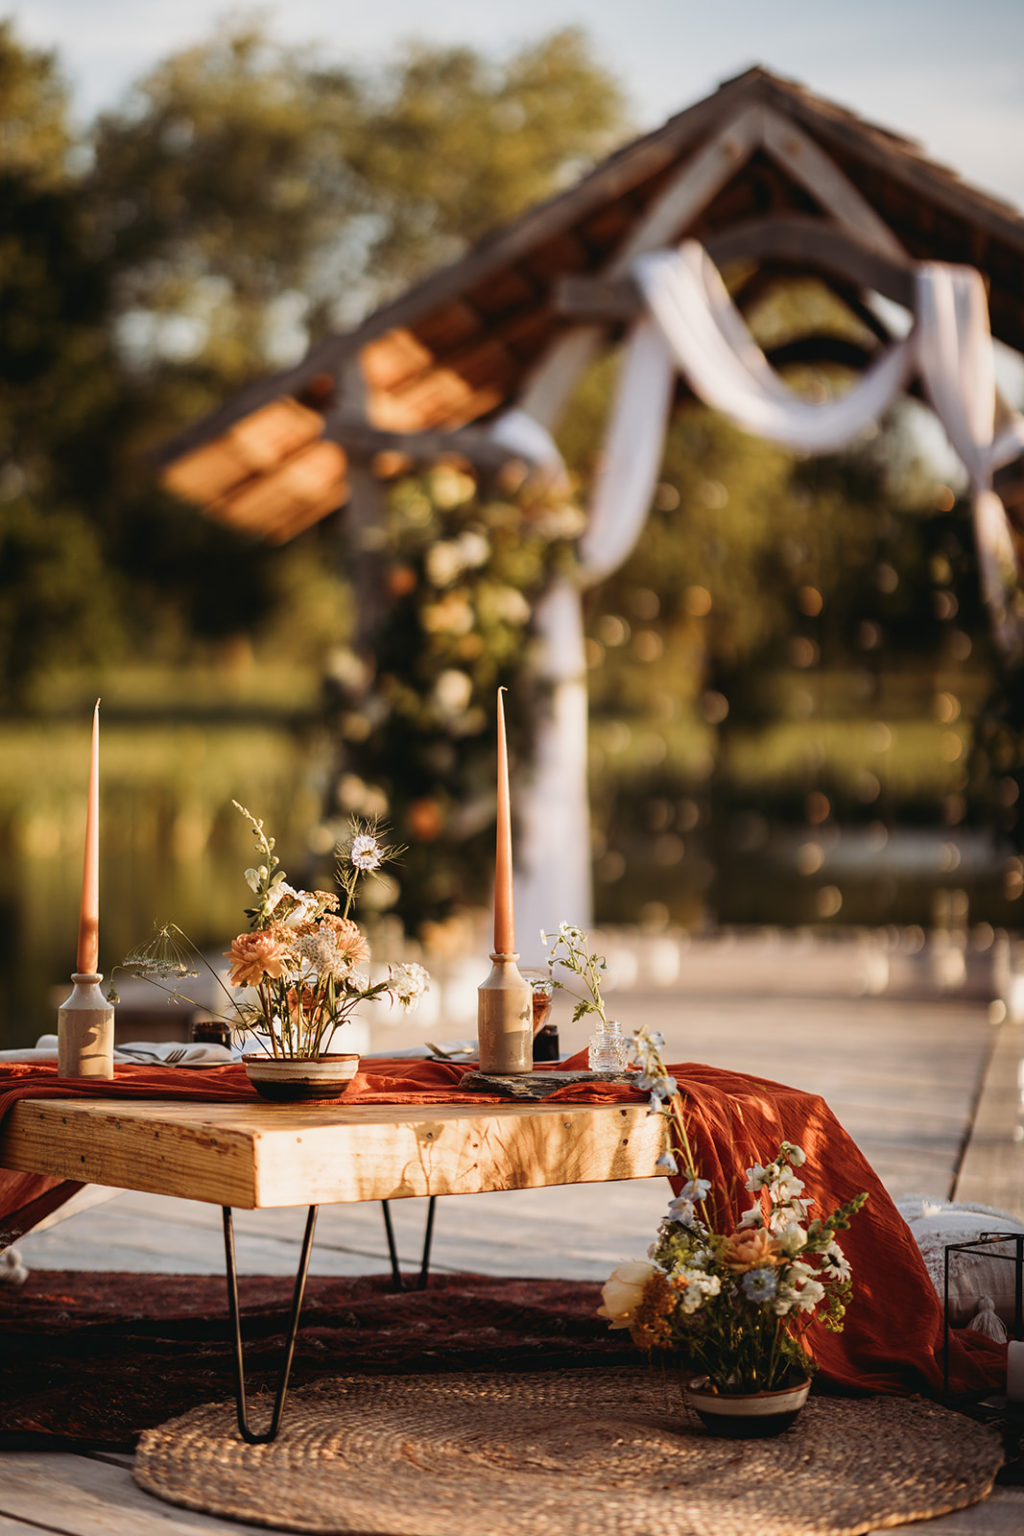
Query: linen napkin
point(168, 1053)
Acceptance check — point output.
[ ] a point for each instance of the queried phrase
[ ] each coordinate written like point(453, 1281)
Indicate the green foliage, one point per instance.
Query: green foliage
point(454, 145)
point(36, 138)
point(250, 195)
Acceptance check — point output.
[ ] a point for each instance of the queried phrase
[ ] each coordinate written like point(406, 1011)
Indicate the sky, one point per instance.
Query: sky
point(947, 73)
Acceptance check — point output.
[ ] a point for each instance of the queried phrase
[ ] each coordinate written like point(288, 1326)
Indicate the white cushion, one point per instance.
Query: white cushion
point(935, 1225)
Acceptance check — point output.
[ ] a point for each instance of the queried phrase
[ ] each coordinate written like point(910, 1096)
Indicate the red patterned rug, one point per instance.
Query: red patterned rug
point(94, 1359)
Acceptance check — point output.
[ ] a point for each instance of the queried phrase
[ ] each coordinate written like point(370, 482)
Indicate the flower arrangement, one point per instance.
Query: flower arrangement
point(570, 950)
point(733, 1305)
point(300, 960)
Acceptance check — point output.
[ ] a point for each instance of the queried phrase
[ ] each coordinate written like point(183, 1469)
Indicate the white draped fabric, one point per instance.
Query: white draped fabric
point(694, 327)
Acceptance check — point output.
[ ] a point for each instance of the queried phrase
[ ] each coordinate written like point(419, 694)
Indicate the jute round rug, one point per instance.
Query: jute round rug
point(574, 1453)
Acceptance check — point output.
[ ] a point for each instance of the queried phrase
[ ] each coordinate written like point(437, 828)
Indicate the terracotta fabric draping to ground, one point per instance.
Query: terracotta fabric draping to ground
point(893, 1338)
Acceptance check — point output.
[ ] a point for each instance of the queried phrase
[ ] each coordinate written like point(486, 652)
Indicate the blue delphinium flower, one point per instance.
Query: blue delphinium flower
point(667, 1163)
point(759, 1284)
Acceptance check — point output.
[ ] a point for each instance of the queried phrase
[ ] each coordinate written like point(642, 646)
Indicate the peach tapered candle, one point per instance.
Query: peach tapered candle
point(504, 921)
point(89, 920)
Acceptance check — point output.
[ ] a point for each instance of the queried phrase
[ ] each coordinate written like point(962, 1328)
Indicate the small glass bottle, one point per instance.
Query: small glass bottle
point(545, 1035)
point(608, 1050)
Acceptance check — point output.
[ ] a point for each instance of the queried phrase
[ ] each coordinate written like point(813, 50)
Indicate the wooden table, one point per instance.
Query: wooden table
point(260, 1155)
point(256, 1156)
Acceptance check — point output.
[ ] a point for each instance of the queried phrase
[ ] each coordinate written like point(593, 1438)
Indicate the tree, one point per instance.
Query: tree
point(57, 383)
point(251, 196)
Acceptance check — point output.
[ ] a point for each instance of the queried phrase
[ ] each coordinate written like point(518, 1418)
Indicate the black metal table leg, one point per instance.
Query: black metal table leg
point(236, 1324)
point(397, 1283)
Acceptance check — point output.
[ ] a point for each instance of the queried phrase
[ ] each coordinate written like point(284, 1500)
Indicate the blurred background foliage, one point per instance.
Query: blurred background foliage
point(791, 669)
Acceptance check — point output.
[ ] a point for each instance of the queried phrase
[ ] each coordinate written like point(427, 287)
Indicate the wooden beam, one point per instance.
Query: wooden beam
point(472, 445)
point(812, 244)
point(809, 165)
point(805, 243)
point(552, 381)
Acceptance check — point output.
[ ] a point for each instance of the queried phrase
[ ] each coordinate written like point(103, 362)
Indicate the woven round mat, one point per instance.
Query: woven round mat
point(574, 1453)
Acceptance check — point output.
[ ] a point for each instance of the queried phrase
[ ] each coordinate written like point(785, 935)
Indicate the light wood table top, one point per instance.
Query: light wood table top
point(252, 1156)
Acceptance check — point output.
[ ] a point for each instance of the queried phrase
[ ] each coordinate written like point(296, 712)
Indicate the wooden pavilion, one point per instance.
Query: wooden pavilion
point(762, 172)
point(775, 183)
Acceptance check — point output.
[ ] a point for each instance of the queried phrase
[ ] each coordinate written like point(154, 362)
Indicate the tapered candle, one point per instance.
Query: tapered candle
point(504, 921)
point(89, 920)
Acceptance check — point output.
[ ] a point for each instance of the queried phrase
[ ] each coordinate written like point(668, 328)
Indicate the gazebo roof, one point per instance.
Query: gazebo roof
point(459, 345)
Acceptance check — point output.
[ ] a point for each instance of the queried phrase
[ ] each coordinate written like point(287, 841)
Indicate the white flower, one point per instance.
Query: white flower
point(752, 1218)
point(758, 1177)
point(321, 951)
point(366, 853)
point(444, 563)
point(408, 983)
point(836, 1259)
point(792, 1238)
point(623, 1291)
point(796, 1155)
point(278, 892)
point(698, 1285)
point(809, 1294)
point(799, 1289)
point(784, 1186)
point(510, 605)
point(453, 691)
point(474, 548)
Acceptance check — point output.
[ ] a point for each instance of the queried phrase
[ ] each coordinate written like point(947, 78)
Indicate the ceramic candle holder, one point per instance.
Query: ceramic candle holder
point(85, 1030)
point(505, 1019)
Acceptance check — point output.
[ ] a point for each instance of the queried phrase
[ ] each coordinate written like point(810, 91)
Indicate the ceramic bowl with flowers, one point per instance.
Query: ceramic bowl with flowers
point(299, 972)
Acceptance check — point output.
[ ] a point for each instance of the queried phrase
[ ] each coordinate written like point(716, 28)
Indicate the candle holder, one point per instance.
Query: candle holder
point(505, 1019)
point(85, 1030)
point(994, 1245)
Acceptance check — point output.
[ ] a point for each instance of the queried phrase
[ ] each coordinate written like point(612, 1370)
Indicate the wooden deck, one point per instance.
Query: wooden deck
point(916, 1071)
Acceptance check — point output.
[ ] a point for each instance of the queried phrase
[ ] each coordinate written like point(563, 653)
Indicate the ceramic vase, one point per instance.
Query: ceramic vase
point(298, 1080)
point(746, 1415)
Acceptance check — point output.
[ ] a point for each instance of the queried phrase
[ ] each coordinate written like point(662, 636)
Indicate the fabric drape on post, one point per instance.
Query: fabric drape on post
point(694, 328)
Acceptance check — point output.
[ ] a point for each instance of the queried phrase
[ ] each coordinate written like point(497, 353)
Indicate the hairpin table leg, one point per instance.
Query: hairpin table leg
point(236, 1324)
point(397, 1282)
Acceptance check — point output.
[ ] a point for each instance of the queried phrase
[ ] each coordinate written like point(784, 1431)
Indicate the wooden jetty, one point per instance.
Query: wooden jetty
point(917, 1060)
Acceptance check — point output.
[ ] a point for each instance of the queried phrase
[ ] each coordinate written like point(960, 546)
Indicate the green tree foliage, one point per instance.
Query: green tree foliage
point(251, 195)
point(57, 382)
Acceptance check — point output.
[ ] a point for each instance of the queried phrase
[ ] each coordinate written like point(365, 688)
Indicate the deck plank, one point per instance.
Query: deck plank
point(80, 1496)
point(993, 1166)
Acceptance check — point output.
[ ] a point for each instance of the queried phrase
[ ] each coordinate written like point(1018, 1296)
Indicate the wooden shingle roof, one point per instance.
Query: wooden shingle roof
point(457, 346)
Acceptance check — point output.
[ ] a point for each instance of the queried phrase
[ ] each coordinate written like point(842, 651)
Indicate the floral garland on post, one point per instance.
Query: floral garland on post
point(734, 1305)
point(462, 569)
